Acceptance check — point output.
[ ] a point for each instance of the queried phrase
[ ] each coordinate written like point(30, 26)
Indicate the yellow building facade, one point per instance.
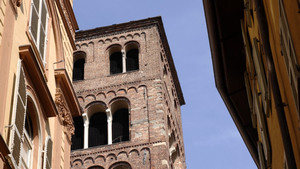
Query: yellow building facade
point(37, 100)
point(255, 47)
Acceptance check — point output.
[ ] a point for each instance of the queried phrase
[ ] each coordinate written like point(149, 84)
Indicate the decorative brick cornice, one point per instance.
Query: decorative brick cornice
point(95, 35)
point(113, 86)
point(109, 148)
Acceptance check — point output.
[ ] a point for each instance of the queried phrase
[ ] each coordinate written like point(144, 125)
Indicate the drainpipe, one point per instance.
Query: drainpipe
point(285, 135)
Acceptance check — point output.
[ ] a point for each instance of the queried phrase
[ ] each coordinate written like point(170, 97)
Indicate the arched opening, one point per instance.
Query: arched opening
point(120, 123)
point(132, 60)
point(120, 165)
point(95, 167)
point(115, 59)
point(120, 126)
point(31, 139)
point(78, 67)
point(98, 129)
point(132, 56)
point(116, 63)
point(77, 138)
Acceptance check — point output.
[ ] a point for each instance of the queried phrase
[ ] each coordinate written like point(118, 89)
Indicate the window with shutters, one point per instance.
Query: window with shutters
point(38, 25)
point(262, 127)
point(288, 53)
point(257, 89)
point(18, 117)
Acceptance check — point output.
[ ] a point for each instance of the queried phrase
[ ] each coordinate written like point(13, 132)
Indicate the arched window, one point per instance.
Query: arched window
point(98, 129)
point(95, 167)
point(124, 60)
point(116, 63)
point(132, 56)
point(120, 123)
point(120, 126)
point(77, 138)
point(78, 67)
point(132, 59)
point(115, 59)
point(31, 139)
point(120, 165)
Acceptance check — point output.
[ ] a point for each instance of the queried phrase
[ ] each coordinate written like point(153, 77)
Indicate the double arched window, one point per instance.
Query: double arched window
point(101, 125)
point(124, 59)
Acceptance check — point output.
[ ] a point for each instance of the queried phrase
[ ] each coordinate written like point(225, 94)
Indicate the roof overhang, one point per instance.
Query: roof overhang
point(229, 64)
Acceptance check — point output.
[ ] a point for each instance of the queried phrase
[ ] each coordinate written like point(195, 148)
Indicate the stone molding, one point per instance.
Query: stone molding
point(96, 151)
point(100, 89)
point(90, 36)
point(64, 113)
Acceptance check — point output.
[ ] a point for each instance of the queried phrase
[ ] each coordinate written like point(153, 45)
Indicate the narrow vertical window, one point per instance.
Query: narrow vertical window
point(132, 60)
point(132, 56)
point(78, 70)
point(77, 138)
point(38, 25)
point(116, 65)
point(120, 120)
point(78, 67)
point(98, 129)
point(120, 126)
point(27, 143)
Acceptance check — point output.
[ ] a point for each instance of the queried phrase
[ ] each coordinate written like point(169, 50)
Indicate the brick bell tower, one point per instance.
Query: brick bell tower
point(129, 92)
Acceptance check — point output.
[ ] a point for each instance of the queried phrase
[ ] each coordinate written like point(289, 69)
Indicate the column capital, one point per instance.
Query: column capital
point(86, 119)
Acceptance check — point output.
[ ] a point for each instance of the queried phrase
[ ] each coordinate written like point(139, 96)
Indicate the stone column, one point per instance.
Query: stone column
point(123, 60)
point(109, 126)
point(86, 130)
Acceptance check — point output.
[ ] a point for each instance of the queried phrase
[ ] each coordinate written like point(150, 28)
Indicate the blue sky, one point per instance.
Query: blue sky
point(210, 136)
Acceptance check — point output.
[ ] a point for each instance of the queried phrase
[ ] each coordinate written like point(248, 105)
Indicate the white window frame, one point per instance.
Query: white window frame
point(28, 142)
point(37, 41)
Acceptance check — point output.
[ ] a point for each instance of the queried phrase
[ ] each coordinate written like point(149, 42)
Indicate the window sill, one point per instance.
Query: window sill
point(128, 72)
point(101, 146)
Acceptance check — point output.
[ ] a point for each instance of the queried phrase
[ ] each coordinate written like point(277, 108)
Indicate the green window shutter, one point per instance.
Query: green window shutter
point(18, 116)
point(43, 29)
point(261, 76)
point(261, 157)
point(289, 55)
point(34, 19)
point(48, 154)
point(247, 50)
point(262, 127)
